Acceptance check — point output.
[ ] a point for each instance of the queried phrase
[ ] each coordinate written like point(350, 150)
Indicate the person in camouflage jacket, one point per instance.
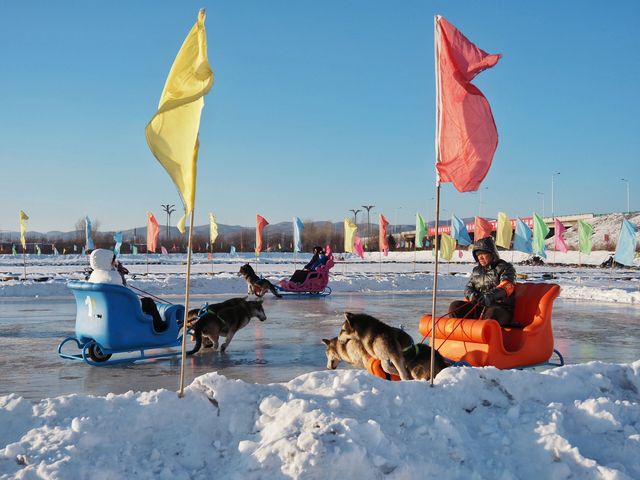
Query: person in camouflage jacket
point(490, 292)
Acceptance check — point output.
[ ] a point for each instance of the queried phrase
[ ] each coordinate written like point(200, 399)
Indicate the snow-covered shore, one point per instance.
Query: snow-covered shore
point(47, 276)
point(580, 421)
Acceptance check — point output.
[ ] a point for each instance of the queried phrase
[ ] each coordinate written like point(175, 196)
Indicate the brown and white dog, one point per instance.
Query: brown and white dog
point(223, 321)
point(392, 346)
point(256, 285)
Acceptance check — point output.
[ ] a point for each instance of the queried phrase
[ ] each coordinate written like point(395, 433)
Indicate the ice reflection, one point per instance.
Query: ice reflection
point(287, 344)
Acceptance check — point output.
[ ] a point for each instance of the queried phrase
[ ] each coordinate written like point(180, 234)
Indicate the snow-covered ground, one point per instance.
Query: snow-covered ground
point(165, 275)
point(578, 421)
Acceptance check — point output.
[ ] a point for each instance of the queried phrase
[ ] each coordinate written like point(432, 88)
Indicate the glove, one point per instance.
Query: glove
point(488, 299)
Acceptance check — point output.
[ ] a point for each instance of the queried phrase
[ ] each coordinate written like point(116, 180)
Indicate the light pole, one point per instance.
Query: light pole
point(355, 215)
point(397, 219)
point(168, 208)
point(625, 180)
point(542, 193)
point(553, 212)
point(480, 204)
point(368, 207)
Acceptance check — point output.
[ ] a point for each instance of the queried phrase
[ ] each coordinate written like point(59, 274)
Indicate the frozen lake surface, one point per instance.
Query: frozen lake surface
point(286, 345)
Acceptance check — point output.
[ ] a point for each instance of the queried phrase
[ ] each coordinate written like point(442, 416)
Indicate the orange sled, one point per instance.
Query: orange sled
point(484, 342)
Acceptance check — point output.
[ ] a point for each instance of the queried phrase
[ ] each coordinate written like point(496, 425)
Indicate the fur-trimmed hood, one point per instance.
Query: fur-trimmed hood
point(485, 245)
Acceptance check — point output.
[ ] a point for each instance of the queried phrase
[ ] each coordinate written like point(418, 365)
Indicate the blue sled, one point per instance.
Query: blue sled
point(109, 320)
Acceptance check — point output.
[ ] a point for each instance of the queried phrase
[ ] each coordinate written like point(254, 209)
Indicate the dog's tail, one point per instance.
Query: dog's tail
point(274, 290)
point(196, 330)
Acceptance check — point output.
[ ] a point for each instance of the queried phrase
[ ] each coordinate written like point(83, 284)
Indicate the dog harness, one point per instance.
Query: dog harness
point(204, 310)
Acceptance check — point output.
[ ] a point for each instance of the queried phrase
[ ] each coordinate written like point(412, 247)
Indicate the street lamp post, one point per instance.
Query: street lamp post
point(368, 207)
point(542, 193)
point(553, 213)
point(625, 180)
point(480, 204)
point(168, 208)
point(355, 211)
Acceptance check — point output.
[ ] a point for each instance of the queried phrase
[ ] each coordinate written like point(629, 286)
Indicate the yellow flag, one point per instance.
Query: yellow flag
point(350, 229)
point(447, 246)
point(213, 229)
point(504, 232)
point(172, 133)
point(23, 229)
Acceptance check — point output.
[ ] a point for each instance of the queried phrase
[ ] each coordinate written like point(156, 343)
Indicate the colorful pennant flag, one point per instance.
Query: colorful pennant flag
point(232, 251)
point(481, 228)
point(626, 248)
point(153, 232)
point(358, 248)
point(558, 240)
point(261, 222)
point(466, 133)
point(55, 250)
point(213, 229)
point(523, 238)
point(585, 232)
point(350, 230)
point(23, 229)
point(540, 232)
point(134, 250)
point(504, 232)
point(172, 133)
point(421, 230)
point(118, 239)
point(163, 251)
point(447, 246)
point(459, 231)
point(13, 250)
point(88, 240)
point(383, 241)
point(298, 226)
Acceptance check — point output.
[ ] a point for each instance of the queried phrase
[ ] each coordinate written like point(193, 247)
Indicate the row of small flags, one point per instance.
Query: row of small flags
point(523, 239)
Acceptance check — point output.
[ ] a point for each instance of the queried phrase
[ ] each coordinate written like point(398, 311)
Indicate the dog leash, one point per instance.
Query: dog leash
point(150, 294)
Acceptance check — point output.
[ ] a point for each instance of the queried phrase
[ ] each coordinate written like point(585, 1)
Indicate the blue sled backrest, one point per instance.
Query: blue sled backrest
point(112, 316)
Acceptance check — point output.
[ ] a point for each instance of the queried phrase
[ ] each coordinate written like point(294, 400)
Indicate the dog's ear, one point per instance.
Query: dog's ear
point(326, 341)
point(348, 316)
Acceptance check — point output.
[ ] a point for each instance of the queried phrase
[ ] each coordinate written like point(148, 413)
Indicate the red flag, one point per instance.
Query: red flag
point(466, 134)
point(481, 229)
point(358, 249)
point(382, 236)
point(261, 222)
point(153, 230)
point(559, 243)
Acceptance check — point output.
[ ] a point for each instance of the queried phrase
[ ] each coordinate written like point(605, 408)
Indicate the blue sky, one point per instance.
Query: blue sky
point(318, 108)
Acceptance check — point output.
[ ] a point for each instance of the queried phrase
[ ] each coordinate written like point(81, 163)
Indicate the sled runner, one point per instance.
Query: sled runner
point(314, 285)
point(110, 320)
point(479, 343)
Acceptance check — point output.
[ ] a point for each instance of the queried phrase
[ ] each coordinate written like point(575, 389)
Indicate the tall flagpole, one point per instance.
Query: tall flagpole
point(186, 308)
point(436, 47)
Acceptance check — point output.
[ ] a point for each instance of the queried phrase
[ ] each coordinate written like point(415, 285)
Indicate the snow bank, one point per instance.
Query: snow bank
point(580, 421)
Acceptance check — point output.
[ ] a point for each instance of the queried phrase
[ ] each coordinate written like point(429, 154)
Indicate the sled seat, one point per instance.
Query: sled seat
point(316, 280)
point(484, 342)
point(113, 317)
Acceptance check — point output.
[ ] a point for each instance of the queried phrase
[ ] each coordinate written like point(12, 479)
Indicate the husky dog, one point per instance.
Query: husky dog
point(350, 351)
point(225, 321)
point(256, 285)
point(379, 340)
point(211, 308)
point(418, 360)
point(417, 357)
